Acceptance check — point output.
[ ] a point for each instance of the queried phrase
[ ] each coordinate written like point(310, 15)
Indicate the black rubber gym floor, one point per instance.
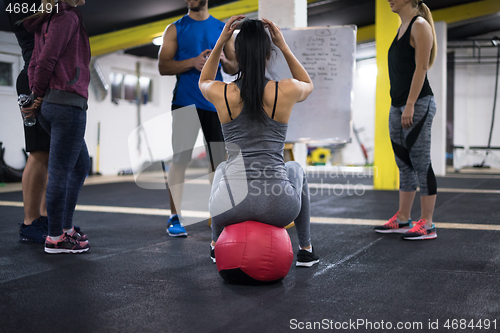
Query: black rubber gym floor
point(138, 279)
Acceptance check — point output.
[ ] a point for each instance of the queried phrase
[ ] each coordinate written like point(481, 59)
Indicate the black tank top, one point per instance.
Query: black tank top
point(402, 67)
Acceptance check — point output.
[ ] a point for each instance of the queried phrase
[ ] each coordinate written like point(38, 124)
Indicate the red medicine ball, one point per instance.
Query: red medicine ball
point(252, 252)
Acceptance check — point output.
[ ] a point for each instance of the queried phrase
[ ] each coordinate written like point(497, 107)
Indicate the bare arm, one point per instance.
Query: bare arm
point(302, 82)
point(166, 63)
point(421, 34)
point(228, 58)
point(209, 71)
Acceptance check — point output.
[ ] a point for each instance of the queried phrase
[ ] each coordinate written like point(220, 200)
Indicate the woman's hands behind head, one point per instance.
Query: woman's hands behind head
point(229, 28)
point(275, 32)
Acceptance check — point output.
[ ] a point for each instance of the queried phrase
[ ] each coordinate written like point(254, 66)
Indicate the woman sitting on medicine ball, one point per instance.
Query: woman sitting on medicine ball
point(255, 183)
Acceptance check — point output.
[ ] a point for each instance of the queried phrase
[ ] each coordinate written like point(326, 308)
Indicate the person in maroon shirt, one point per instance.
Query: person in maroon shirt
point(59, 77)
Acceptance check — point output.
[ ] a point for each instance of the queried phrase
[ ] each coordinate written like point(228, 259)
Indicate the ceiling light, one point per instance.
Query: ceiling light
point(158, 41)
point(368, 70)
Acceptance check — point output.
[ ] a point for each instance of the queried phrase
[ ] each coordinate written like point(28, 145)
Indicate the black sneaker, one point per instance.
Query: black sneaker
point(33, 233)
point(212, 253)
point(306, 258)
point(44, 223)
point(66, 245)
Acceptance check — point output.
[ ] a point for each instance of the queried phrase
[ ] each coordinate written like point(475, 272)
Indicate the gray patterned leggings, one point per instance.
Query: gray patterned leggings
point(412, 147)
point(275, 202)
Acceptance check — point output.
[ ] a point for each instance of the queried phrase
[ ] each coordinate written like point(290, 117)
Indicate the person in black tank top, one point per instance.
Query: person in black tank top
point(37, 140)
point(402, 67)
point(255, 183)
point(412, 110)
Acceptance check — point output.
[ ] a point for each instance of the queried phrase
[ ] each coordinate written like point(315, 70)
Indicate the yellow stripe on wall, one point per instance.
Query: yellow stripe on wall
point(386, 176)
point(449, 15)
point(144, 34)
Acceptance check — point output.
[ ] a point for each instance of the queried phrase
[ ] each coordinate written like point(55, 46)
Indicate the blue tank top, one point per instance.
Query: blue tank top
point(194, 37)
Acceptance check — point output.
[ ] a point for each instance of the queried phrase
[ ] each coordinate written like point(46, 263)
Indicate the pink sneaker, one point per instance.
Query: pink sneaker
point(78, 235)
point(420, 231)
point(66, 245)
point(394, 225)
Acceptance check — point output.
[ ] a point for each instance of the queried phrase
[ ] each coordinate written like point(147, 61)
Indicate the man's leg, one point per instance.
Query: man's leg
point(43, 203)
point(34, 179)
point(34, 185)
point(214, 140)
point(34, 182)
point(176, 176)
point(185, 128)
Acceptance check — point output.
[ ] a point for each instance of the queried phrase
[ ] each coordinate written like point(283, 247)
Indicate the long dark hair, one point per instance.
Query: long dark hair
point(253, 49)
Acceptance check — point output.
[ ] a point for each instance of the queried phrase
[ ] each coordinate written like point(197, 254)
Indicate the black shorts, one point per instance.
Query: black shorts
point(185, 127)
point(36, 138)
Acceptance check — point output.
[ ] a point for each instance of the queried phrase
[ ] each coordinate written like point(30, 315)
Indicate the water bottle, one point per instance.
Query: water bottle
point(25, 101)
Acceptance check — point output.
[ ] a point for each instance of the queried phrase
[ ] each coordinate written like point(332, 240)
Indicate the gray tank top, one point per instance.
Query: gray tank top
point(254, 148)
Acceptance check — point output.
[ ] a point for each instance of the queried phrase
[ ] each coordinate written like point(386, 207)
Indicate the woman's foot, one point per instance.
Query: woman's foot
point(420, 231)
point(77, 234)
point(306, 257)
point(394, 225)
point(65, 244)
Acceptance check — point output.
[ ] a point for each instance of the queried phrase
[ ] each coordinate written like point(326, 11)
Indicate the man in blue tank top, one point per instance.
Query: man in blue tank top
point(186, 46)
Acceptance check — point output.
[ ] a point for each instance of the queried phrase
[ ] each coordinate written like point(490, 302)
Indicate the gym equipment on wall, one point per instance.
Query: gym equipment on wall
point(9, 174)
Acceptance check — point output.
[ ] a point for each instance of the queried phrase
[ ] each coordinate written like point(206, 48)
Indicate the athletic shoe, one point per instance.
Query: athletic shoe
point(394, 225)
point(175, 227)
point(83, 237)
point(66, 245)
point(33, 233)
point(45, 224)
point(306, 258)
point(212, 253)
point(78, 235)
point(420, 231)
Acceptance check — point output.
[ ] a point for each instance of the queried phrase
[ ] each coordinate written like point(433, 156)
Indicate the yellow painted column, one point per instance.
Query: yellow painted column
point(385, 173)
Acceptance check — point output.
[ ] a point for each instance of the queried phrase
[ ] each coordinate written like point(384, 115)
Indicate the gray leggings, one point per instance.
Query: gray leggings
point(271, 201)
point(412, 147)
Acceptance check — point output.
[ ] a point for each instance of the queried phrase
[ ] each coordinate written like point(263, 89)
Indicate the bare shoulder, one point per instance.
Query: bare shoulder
point(421, 26)
point(421, 33)
point(218, 86)
point(289, 86)
point(170, 32)
point(295, 89)
point(169, 47)
point(214, 90)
